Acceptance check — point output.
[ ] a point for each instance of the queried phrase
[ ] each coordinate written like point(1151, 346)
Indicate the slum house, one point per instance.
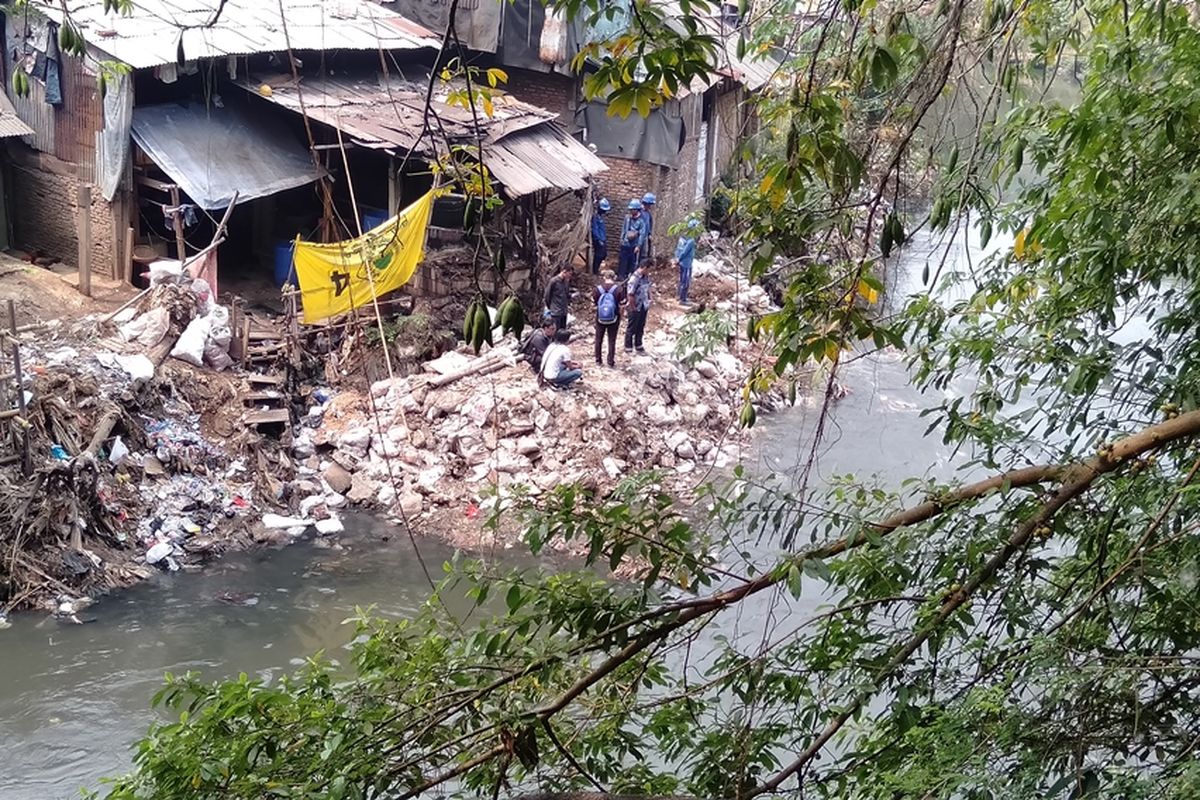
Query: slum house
point(168, 144)
point(527, 155)
point(11, 129)
point(681, 151)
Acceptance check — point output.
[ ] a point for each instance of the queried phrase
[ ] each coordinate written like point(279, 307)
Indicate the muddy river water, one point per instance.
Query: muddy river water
point(74, 698)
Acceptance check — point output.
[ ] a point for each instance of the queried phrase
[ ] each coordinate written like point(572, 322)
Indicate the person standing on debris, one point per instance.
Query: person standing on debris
point(633, 240)
point(609, 296)
point(599, 234)
point(557, 367)
point(535, 344)
point(558, 297)
point(639, 308)
point(649, 201)
point(685, 254)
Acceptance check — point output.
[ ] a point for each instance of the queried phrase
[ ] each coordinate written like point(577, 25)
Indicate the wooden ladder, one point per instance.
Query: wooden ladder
point(265, 401)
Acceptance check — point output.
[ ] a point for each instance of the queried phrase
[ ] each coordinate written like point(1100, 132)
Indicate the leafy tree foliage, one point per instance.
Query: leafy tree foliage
point(1027, 631)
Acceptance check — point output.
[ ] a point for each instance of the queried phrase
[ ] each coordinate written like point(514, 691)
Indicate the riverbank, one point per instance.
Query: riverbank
point(143, 462)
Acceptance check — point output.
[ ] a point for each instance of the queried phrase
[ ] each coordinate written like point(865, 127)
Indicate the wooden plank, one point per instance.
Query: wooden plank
point(258, 397)
point(267, 417)
point(261, 379)
point(162, 186)
point(83, 207)
point(177, 223)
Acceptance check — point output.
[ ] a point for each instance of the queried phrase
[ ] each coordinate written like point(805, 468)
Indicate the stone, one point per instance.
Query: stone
point(327, 527)
point(724, 410)
point(397, 433)
point(613, 466)
point(429, 480)
point(363, 490)
point(666, 459)
point(348, 462)
point(660, 414)
point(728, 363)
point(548, 480)
point(384, 447)
point(355, 441)
point(311, 463)
point(707, 369)
point(686, 451)
point(418, 438)
point(541, 419)
point(335, 500)
point(595, 412)
point(676, 438)
point(519, 426)
point(528, 446)
point(412, 504)
point(386, 494)
point(703, 447)
point(696, 414)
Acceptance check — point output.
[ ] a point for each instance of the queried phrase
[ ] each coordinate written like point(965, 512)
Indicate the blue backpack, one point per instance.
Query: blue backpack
point(606, 306)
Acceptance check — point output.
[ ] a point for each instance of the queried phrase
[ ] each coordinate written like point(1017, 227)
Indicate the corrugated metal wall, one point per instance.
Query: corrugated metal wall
point(69, 131)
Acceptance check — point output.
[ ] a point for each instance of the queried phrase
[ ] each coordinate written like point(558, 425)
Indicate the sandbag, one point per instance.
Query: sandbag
point(216, 347)
point(147, 329)
point(190, 347)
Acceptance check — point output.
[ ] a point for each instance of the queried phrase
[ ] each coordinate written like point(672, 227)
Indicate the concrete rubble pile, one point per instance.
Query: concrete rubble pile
point(412, 446)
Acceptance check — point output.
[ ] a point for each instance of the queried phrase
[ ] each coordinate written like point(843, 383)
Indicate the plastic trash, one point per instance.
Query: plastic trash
point(276, 521)
point(118, 452)
point(164, 270)
point(59, 453)
point(158, 552)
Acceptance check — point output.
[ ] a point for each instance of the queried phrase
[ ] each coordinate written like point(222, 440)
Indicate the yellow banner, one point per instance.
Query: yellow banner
point(335, 278)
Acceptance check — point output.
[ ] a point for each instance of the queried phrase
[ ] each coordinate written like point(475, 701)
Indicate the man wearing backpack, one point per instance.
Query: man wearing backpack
point(608, 297)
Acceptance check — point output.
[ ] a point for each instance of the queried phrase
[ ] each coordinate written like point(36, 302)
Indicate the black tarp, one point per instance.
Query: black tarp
point(657, 138)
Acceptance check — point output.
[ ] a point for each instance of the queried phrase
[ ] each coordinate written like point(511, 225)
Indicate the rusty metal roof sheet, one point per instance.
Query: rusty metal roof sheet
point(523, 148)
point(10, 124)
point(150, 36)
point(542, 157)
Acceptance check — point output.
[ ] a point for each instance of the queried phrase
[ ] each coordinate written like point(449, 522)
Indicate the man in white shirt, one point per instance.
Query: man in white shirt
point(557, 367)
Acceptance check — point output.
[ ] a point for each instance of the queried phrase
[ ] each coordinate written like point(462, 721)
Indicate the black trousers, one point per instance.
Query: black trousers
point(635, 328)
point(560, 321)
point(609, 330)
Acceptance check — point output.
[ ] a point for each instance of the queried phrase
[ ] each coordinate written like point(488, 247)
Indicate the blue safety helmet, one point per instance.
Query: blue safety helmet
point(604, 204)
point(649, 199)
point(635, 205)
point(693, 223)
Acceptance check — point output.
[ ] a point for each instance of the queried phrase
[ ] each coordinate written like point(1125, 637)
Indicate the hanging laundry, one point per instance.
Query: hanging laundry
point(51, 73)
point(186, 211)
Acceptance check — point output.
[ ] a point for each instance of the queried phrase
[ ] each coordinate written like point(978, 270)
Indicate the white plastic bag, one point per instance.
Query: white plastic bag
point(147, 329)
point(216, 348)
point(190, 347)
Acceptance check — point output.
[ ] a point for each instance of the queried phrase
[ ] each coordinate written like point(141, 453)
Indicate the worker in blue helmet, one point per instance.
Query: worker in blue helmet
point(649, 201)
point(633, 240)
point(599, 234)
point(685, 254)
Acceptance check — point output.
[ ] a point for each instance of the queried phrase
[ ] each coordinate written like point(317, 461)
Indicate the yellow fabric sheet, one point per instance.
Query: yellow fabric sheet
point(335, 278)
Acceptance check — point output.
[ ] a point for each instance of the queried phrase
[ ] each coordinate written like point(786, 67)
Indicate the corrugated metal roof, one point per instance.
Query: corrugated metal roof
point(213, 152)
point(524, 150)
point(10, 124)
point(543, 157)
point(150, 36)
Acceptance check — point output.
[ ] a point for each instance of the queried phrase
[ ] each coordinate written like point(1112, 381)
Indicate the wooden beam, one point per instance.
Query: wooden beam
point(152, 183)
point(177, 223)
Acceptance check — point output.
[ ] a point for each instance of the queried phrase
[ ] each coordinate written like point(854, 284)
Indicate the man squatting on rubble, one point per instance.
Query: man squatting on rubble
point(609, 297)
point(535, 344)
point(558, 297)
point(558, 368)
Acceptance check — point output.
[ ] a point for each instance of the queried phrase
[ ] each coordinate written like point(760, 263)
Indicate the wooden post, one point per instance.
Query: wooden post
point(127, 265)
point(177, 222)
point(83, 204)
point(26, 461)
point(393, 188)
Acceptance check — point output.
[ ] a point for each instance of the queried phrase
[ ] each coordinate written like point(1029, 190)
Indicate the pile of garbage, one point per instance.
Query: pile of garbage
point(123, 480)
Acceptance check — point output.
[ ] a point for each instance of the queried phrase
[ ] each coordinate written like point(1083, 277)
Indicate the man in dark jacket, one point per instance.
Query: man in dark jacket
point(535, 344)
point(599, 234)
point(638, 290)
point(558, 297)
point(608, 297)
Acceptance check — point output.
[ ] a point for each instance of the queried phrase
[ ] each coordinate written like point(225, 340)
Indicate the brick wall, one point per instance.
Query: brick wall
point(551, 91)
point(44, 191)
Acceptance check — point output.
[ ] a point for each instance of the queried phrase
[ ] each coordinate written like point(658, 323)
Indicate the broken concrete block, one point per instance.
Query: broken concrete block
point(707, 369)
point(412, 504)
point(363, 490)
point(528, 446)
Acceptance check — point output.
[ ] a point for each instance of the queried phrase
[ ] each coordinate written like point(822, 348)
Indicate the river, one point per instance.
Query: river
point(73, 698)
